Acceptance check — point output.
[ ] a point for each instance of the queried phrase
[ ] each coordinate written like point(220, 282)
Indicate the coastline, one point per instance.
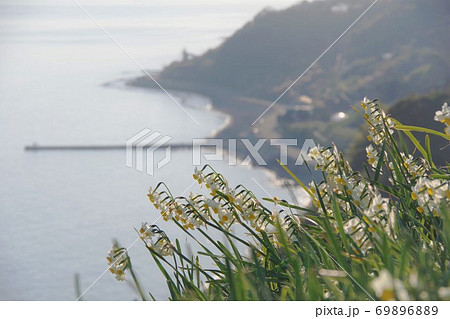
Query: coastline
point(129, 83)
point(240, 112)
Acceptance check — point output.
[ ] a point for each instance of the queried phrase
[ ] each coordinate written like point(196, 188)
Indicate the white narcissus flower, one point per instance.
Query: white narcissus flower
point(372, 156)
point(250, 214)
point(430, 194)
point(163, 247)
point(364, 102)
point(154, 238)
point(412, 167)
point(230, 194)
point(387, 288)
point(225, 216)
point(198, 175)
point(355, 228)
point(118, 261)
point(239, 201)
point(314, 153)
point(358, 193)
point(443, 116)
point(379, 204)
point(212, 205)
point(120, 273)
point(147, 231)
point(420, 194)
point(214, 187)
point(153, 196)
point(324, 158)
point(436, 188)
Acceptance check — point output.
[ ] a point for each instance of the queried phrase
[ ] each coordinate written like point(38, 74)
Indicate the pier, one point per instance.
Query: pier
point(36, 147)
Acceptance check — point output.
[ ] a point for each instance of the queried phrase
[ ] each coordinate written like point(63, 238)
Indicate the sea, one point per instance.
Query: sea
point(62, 83)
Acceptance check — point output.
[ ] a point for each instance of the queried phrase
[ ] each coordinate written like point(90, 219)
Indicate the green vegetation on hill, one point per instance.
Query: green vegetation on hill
point(397, 48)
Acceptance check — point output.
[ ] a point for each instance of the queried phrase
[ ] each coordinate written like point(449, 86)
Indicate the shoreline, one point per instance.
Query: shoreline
point(129, 83)
point(237, 110)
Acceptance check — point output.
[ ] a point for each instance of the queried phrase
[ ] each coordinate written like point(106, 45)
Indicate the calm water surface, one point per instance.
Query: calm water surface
point(60, 210)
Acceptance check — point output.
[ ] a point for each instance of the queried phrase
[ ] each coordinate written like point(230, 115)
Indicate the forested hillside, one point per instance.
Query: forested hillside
point(397, 48)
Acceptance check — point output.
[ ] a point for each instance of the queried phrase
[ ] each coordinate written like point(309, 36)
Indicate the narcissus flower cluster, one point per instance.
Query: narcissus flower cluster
point(224, 205)
point(155, 239)
point(379, 123)
point(362, 206)
point(386, 224)
point(118, 261)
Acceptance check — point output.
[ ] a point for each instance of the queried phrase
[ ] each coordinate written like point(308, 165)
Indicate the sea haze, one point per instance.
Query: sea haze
point(60, 210)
